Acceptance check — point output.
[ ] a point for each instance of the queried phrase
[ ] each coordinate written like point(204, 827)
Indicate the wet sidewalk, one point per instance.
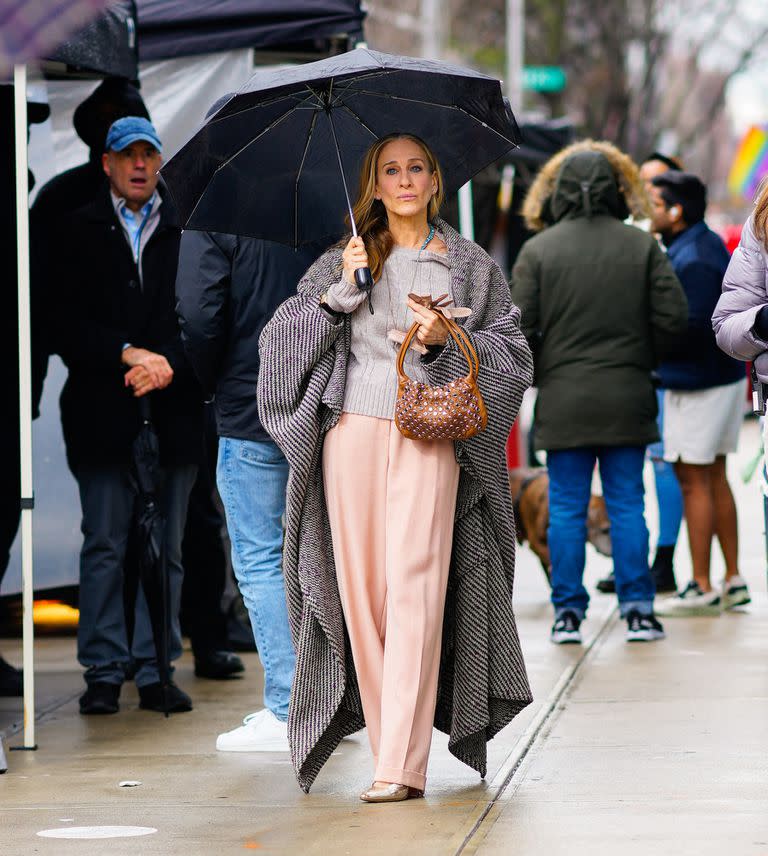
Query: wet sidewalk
point(652, 749)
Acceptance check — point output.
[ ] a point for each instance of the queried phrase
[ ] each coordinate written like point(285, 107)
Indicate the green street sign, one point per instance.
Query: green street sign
point(544, 78)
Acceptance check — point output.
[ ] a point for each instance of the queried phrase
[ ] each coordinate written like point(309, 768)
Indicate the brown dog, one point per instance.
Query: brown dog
point(530, 498)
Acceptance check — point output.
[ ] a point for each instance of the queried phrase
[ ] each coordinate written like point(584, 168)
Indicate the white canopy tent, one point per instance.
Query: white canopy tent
point(178, 93)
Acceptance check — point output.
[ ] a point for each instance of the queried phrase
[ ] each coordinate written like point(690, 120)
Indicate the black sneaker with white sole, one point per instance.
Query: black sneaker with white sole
point(566, 629)
point(643, 628)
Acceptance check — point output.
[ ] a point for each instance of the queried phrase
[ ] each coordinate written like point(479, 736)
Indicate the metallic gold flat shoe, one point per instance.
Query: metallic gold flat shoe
point(392, 793)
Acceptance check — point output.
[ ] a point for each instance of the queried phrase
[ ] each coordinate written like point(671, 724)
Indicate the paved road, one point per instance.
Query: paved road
point(654, 749)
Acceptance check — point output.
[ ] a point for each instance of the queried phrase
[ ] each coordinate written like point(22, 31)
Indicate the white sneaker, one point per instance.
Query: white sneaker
point(735, 592)
point(690, 601)
point(260, 732)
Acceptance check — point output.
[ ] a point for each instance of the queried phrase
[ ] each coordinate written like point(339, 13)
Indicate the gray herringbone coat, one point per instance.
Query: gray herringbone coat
point(483, 682)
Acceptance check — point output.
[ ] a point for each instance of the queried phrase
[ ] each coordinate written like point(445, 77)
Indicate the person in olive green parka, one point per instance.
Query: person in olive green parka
point(600, 307)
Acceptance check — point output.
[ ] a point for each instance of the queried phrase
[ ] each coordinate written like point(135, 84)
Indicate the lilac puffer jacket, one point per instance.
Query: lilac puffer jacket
point(745, 291)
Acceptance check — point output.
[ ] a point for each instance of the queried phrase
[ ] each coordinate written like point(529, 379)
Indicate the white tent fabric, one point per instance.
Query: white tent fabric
point(178, 94)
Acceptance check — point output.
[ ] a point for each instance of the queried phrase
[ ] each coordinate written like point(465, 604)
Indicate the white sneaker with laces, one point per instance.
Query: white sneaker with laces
point(735, 592)
point(690, 601)
point(260, 732)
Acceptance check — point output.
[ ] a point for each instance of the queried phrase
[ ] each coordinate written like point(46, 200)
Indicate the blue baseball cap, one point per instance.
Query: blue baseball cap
point(128, 130)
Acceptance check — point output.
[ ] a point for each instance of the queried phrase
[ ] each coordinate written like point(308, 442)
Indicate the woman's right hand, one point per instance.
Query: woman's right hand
point(354, 257)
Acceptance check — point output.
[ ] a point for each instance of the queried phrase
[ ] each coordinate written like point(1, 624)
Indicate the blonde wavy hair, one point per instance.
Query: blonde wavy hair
point(371, 215)
point(625, 171)
point(761, 211)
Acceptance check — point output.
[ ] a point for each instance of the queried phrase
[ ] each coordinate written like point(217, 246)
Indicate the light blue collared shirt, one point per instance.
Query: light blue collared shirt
point(138, 226)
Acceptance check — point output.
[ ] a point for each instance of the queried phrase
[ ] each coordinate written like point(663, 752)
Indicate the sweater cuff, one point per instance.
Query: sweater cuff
point(344, 296)
point(433, 352)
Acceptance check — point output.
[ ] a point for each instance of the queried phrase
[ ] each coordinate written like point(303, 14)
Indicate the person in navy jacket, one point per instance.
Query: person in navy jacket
point(703, 397)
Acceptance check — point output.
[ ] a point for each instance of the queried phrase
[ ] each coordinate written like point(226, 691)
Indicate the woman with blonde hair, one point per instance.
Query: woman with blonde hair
point(399, 553)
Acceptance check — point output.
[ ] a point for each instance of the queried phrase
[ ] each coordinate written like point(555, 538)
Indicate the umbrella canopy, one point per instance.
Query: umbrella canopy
point(149, 540)
point(172, 28)
point(267, 163)
point(31, 29)
point(107, 45)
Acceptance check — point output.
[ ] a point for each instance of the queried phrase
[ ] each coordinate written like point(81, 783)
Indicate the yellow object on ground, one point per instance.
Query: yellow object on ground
point(53, 614)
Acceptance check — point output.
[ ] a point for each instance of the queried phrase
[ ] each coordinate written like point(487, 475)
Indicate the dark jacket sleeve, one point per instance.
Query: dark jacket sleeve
point(525, 292)
point(74, 335)
point(702, 286)
point(202, 294)
point(173, 351)
point(668, 305)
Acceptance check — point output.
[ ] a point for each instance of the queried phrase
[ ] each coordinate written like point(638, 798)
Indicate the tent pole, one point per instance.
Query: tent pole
point(25, 396)
point(466, 214)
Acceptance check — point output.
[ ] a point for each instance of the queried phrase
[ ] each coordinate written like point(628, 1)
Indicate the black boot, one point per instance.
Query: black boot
point(100, 698)
point(662, 570)
point(217, 665)
point(175, 700)
point(11, 680)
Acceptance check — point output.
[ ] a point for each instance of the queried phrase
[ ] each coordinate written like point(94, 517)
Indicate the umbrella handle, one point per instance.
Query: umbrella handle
point(364, 282)
point(363, 276)
point(363, 279)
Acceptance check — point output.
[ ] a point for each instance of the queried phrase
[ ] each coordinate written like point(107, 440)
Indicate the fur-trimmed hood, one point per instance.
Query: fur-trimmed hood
point(585, 179)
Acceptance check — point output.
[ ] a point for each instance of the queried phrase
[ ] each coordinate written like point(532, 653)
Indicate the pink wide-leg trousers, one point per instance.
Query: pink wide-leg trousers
point(391, 504)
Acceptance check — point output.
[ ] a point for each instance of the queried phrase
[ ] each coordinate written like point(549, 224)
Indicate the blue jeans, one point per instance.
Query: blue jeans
point(252, 478)
point(668, 493)
point(570, 483)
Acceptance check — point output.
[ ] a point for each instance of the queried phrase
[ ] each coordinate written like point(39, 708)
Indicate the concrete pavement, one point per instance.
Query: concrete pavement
point(628, 749)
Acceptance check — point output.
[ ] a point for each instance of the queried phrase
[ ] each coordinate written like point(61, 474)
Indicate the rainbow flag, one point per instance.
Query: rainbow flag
point(750, 165)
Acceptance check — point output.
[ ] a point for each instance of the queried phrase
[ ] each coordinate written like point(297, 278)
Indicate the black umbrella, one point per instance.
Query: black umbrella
point(267, 163)
point(149, 541)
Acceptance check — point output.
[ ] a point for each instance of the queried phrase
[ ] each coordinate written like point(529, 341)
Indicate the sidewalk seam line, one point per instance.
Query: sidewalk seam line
point(42, 713)
point(514, 760)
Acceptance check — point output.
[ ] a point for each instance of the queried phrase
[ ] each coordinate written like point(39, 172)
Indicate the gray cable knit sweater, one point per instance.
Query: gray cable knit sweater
point(371, 388)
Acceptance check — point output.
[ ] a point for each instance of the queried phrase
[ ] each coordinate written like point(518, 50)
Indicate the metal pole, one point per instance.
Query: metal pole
point(515, 53)
point(25, 397)
point(363, 276)
point(466, 214)
point(432, 29)
point(352, 223)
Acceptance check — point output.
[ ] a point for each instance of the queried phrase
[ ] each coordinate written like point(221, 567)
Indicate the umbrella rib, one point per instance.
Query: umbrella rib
point(350, 110)
point(296, 186)
point(293, 96)
point(232, 157)
point(343, 87)
point(433, 104)
point(269, 127)
point(346, 85)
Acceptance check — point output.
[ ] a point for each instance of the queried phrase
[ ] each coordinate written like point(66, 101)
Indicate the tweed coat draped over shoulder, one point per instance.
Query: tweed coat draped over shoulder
point(483, 682)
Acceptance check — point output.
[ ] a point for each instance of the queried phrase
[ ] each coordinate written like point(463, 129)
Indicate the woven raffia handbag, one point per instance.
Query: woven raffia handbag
point(455, 411)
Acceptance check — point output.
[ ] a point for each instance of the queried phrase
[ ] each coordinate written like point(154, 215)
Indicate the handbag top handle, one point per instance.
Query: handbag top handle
point(462, 340)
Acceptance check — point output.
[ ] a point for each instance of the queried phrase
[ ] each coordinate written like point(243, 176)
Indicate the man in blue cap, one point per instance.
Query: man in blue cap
point(114, 325)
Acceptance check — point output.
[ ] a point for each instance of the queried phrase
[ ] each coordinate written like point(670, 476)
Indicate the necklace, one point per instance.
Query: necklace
point(429, 238)
point(391, 319)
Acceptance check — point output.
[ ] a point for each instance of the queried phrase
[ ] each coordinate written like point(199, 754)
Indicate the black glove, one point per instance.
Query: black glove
point(761, 323)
